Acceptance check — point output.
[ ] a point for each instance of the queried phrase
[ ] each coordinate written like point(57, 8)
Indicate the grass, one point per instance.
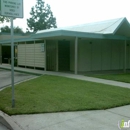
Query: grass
point(123, 77)
point(58, 94)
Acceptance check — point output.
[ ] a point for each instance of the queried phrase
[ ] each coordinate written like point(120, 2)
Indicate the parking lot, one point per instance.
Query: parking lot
point(5, 77)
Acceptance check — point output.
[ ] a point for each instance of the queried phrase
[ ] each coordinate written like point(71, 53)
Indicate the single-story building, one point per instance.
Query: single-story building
point(96, 46)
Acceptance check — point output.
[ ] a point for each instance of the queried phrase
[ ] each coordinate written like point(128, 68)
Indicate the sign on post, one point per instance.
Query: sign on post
point(13, 9)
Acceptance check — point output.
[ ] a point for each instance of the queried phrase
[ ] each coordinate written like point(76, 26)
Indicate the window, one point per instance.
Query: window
point(42, 47)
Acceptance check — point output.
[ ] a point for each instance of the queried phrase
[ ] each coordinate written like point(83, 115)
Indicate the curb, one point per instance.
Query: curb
point(8, 122)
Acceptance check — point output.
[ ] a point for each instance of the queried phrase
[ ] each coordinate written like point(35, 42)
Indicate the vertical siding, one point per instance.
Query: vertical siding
point(106, 55)
point(93, 55)
point(31, 55)
point(121, 54)
point(64, 55)
point(115, 56)
point(84, 55)
point(128, 55)
point(39, 56)
point(52, 56)
point(22, 54)
point(72, 54)
point(97, 55)
point(0, 54)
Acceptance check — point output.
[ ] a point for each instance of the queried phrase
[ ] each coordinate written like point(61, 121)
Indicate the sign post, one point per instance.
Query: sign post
point(13, 9)
point(12, 62)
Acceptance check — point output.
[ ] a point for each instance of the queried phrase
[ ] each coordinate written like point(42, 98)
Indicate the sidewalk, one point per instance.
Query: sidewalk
point(84, 120)
point(80, 77)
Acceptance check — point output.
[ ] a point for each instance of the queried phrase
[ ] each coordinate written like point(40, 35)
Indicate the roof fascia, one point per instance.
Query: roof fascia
point(15, 34)
point(66, 33)
point(115, 37)
point(46, 34)
point(81, 34)
point(77, 34)
point(93, 35)
point(18, 40)
point(120, 25)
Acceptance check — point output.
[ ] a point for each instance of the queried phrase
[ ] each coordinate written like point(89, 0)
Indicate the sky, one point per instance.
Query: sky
point(74, 12)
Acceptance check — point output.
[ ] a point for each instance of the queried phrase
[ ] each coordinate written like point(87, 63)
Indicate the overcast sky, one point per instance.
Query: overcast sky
point(73, 12)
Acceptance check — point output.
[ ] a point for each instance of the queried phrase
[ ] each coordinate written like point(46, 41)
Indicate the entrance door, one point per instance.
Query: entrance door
point(6, 54)
point(64, 55)
point(51, 56)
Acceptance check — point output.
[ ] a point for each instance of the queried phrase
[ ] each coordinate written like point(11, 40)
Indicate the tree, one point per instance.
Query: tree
point(41, 17)
point(2, 19)
point(18, 30)
point(7, 29)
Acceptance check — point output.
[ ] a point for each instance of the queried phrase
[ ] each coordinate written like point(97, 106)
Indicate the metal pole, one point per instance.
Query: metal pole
point(12, 63)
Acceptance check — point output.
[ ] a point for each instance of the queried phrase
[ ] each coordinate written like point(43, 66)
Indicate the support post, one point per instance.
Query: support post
point(76, 55)
point(25, 55)
point(57, 57)
point(17, 54)
point(12, 63)
point(125, 53)
point(34, 55)
point(45, 68)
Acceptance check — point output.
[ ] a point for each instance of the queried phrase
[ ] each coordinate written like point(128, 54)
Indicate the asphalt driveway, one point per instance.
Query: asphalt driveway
point(5, 77)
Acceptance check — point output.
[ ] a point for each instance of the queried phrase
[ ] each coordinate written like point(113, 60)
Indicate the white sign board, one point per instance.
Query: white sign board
point(12, 8)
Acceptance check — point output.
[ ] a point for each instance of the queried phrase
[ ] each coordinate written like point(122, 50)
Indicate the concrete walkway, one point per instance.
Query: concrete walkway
point(81, 77)
point(84, 120)
point(5, 78)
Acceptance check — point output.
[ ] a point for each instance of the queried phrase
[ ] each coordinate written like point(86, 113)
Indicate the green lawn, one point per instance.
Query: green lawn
point(58, 94)
point(117, 77)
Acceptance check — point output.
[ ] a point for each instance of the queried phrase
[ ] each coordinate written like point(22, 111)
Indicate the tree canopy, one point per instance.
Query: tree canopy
point(7, 29)
point(2, 19)
point(41, 17)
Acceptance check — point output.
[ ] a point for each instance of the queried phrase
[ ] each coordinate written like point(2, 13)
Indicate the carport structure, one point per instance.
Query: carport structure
point(90, 47)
